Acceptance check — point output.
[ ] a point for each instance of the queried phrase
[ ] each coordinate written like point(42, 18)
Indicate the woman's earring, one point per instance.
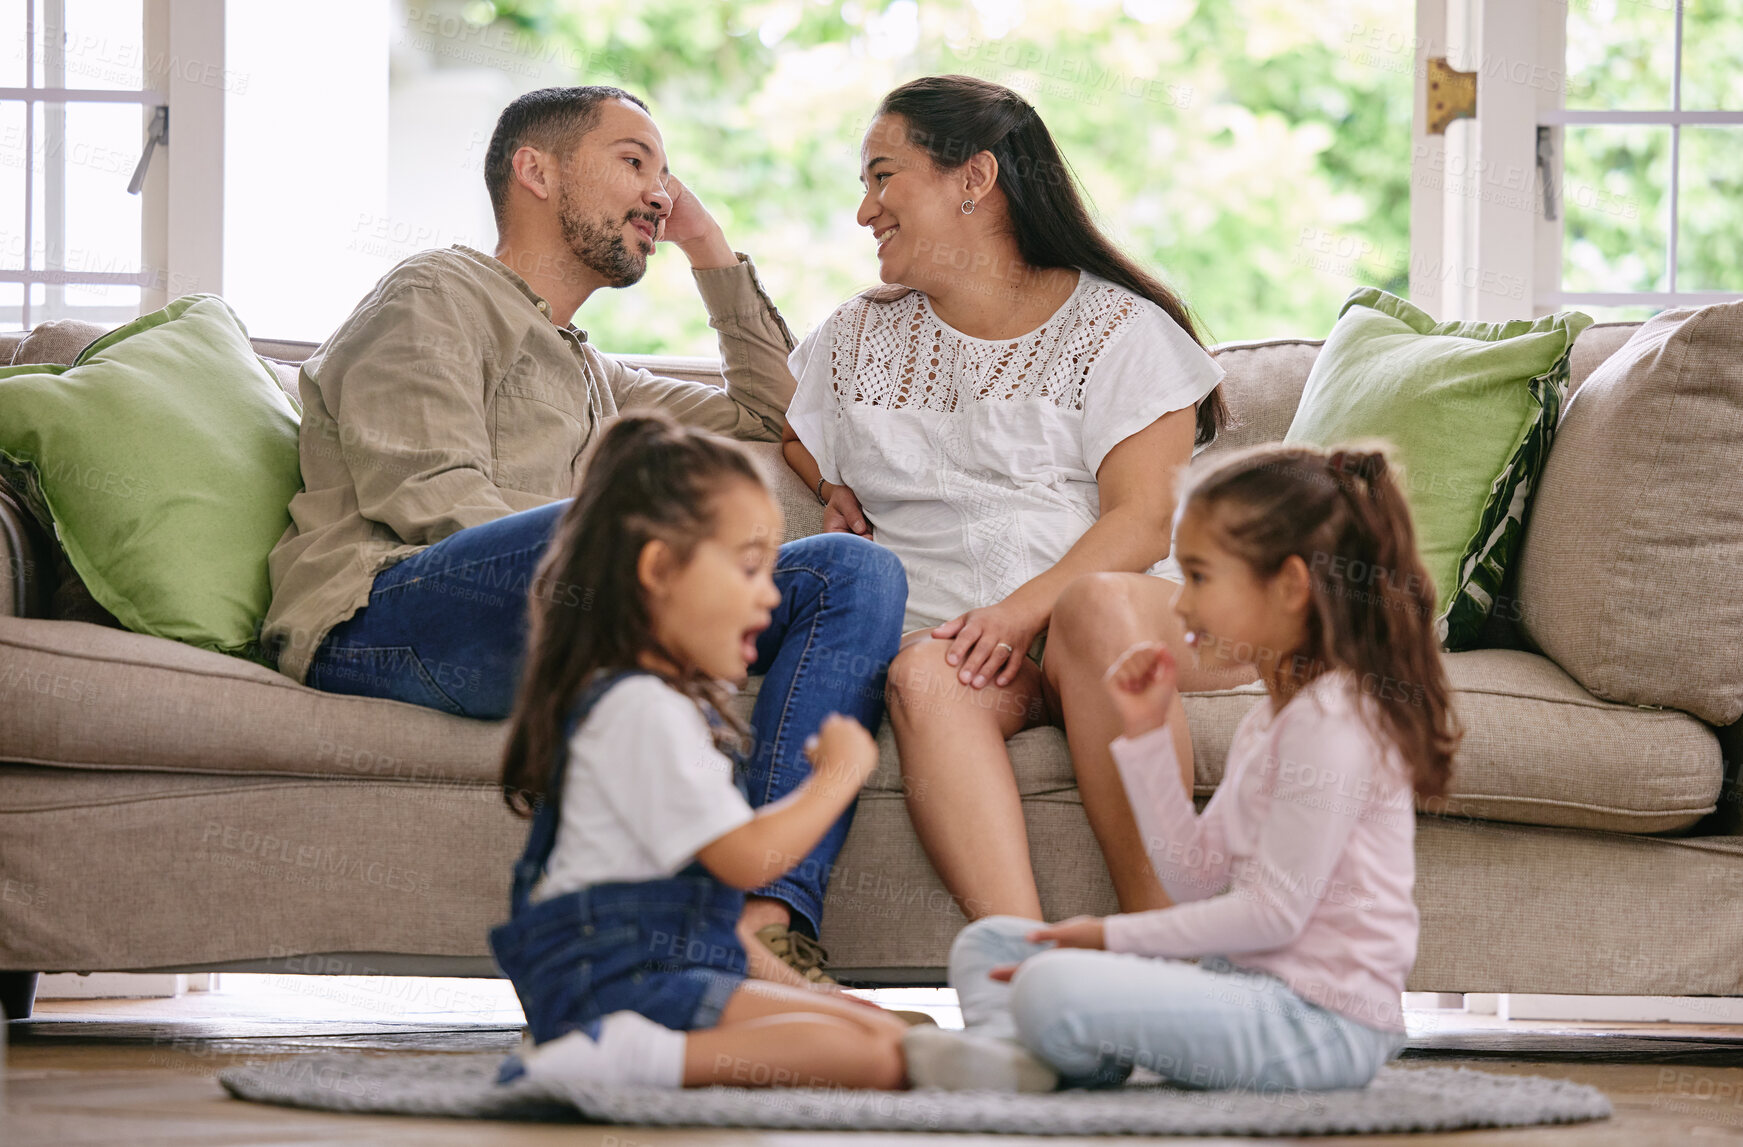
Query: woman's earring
point(968, 207)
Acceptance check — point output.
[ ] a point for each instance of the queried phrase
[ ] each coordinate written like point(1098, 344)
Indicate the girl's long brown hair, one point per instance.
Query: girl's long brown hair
point(650, 478)
point(954, 118)
point(1373, 606)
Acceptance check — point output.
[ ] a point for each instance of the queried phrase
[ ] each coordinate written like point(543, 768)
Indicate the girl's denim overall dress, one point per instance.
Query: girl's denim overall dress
point(665, 948)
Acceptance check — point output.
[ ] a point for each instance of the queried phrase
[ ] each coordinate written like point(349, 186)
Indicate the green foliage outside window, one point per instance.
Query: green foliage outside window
point(1255, 152)
point(1616, 183)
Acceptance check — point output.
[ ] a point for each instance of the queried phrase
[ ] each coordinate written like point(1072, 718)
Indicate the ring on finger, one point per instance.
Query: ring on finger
point(1006, 645)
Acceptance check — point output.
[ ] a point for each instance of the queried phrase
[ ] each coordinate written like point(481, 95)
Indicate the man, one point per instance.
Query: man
point(445, 426)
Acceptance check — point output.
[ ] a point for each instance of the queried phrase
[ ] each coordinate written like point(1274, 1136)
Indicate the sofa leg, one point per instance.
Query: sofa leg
point(17, 994)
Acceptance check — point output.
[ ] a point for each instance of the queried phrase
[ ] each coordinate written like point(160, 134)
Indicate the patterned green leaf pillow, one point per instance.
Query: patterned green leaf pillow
point(1470, 409)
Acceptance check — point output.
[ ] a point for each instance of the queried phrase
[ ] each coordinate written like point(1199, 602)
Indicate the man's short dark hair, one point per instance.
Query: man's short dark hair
point(550, 119)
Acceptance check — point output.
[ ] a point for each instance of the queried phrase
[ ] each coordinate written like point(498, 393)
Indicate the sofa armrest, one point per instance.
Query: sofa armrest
point(25, 571)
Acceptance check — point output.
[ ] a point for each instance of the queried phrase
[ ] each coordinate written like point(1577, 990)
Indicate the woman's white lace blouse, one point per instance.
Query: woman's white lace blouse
point(975, 460)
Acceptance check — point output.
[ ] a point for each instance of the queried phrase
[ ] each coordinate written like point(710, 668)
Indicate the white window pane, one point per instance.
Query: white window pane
point(92, 224)
point(1712, 45)
point(11, 306)
point(1619, 54)
point(90, 44)
point(11, 186)
point(1631, 314)
point(109, 304)
point(1709, 255)
point(12, 36)
point(1616, 191)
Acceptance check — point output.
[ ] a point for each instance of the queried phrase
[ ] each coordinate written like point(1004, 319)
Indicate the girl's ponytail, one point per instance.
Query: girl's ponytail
point(1373, 607)
point(1380, 621)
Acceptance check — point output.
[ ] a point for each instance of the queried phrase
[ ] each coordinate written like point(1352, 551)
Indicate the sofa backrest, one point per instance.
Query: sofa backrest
point(1263, 387)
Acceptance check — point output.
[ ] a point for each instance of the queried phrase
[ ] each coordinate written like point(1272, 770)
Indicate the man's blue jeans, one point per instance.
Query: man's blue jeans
point(446, 628)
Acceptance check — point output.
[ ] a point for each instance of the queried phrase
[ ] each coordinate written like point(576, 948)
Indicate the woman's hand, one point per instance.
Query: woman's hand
point(990, 640)
point(842, 513)
point(1142, 685)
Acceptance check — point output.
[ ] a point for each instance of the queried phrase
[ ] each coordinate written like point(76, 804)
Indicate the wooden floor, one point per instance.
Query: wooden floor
point(126, 1072)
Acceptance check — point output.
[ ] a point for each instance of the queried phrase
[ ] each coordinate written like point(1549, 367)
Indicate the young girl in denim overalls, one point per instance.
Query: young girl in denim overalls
point(622, 943)
point(1292, 888)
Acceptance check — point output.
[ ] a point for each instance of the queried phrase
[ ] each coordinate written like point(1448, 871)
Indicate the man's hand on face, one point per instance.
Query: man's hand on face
point(693, 229)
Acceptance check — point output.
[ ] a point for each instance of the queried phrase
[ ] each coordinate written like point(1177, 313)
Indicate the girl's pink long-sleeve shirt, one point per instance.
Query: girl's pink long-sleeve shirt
point(1302, 863)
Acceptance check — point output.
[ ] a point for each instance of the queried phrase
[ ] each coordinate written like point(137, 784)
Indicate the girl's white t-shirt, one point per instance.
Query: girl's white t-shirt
point(975, 460)
point(645, 790)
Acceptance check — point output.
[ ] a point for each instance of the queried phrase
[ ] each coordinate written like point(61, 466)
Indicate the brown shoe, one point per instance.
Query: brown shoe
point(798, 951)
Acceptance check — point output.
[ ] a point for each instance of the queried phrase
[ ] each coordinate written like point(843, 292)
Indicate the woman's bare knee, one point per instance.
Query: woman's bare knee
point(1098, 616)
point(922, 687)
point(914, 672)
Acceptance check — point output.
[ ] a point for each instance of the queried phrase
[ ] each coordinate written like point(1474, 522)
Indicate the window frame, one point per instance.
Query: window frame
point(1486, 257)
point(181, 200)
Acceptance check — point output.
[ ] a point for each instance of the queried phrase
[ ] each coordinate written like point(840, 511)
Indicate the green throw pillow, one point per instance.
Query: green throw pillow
point(165, 457)
point(1469, 408)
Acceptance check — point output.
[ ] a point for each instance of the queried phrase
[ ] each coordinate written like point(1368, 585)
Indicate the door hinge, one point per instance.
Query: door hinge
point(157, 133)
point(1546, 168)
point(1451, 95)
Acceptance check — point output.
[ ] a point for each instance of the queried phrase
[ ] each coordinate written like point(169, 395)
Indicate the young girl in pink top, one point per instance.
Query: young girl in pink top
point(1292, 888)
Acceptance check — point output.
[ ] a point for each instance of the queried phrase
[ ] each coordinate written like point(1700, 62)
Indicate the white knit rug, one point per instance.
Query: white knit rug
point(462, 1086)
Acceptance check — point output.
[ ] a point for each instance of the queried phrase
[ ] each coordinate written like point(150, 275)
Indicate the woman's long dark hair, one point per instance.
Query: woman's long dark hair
point(954, 118)
point(1373, 604)
point(650, 478)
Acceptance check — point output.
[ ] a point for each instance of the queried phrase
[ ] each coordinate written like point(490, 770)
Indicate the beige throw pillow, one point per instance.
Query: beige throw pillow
point(1632, 575)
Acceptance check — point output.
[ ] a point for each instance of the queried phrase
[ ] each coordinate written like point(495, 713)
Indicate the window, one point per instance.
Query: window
point(1603, 170)
point(71, 113)
point(1652, 134)
point(78, 99)
point(1255, 153)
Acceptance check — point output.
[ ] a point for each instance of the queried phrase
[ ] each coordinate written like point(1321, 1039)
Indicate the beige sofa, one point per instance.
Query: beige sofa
point(164, 807)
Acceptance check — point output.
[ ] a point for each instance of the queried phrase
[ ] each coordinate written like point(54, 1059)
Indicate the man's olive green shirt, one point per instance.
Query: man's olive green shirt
point(449, 398)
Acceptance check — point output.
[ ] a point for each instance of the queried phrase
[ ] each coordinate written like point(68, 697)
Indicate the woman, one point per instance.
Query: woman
point(1007, 415)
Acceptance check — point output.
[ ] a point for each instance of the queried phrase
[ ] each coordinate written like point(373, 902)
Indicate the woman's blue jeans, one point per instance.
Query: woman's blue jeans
point(446, 628)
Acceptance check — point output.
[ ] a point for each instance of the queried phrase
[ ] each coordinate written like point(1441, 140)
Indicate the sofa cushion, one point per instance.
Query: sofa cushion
point(799, 506)
point(83, 696)
point(1538, 749)
point(56, 341)
point(166, 455)
point(1631, 576)
point(1469, 409)
point(1262, 384)
point(1595, 344)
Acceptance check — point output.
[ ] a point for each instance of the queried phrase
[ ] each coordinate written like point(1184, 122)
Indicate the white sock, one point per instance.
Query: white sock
point(631, 1049)
point(969, 1061)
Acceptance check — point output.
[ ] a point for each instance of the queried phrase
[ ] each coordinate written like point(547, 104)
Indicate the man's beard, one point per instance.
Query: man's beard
point(600, 246)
